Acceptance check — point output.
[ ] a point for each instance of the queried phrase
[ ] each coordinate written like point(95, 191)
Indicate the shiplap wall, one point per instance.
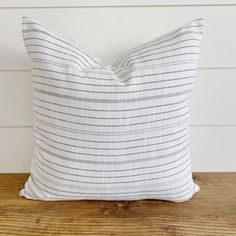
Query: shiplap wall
point(108, 28)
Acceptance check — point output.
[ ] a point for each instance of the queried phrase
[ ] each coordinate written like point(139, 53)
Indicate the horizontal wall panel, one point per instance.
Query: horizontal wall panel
point(17, 147)
point(82, 3)
point(16, 99)
point(213, 149)
point(213, 101)
point(109, 32)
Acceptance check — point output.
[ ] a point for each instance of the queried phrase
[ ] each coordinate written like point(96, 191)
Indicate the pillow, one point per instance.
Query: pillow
point(112, 131)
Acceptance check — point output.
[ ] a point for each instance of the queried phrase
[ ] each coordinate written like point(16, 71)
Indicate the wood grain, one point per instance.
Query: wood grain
point(211, 212)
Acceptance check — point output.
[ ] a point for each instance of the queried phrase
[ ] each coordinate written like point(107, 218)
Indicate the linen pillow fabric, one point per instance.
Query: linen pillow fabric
point(112, 131)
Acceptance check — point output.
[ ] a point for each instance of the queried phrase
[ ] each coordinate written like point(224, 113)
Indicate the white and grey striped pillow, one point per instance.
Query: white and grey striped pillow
point(117, 131)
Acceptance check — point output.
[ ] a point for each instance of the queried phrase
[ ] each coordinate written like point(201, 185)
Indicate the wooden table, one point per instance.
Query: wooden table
point(211, 212)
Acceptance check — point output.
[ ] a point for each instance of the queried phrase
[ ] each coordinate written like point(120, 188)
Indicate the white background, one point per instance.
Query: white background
point(108, 28)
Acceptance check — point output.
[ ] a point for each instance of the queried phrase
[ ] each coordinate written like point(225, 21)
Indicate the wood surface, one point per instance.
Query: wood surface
point(212, 211)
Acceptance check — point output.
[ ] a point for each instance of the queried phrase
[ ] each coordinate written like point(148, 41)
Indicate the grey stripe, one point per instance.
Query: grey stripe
point(150, 194)
point(100, 188)
point(58, 51)
point(168, 46)
point(164, 38)
point(29, 194)
point(160, 58)
point(33, 38)
point(51, 55)
point(60, 46)
point(111, 118)
point(126, 63)
point(76, 62)
point(82, 189)
point(157, 48)
point(101, 183)
point(113, 92)
point(116, 188)
point(111, 155)
point(108, 141)
point(113, 125)
point(102, 78)
point(114, 85)
point(118, 198)
point(117, 133)
point(136, 53)
point(72, 43)
point(115, 162)
point(160, 64)
point(123, 72)
point(132, 52)
point(113, 170)
point(100, 177)
point(111, 110)
point(118, 182)
point(94, 100)
point(54, 63)
point(111, 149)
point(194, 26)
point(63, 40)
point(120, 72)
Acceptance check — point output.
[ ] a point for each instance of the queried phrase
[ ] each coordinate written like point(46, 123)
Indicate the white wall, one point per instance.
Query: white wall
point(107, 29)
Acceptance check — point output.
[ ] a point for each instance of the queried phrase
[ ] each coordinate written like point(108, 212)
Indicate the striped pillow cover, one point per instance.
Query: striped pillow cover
point(117, 131)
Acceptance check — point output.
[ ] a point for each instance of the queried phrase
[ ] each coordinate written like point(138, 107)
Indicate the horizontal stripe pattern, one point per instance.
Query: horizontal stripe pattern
point(111, 131)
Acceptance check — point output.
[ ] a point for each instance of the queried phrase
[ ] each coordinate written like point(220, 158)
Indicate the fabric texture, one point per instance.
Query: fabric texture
point(112, 131)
